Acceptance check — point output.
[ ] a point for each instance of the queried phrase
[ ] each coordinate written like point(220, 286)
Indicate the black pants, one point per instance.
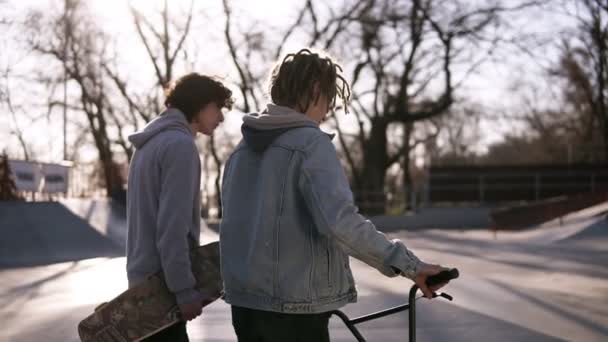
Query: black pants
point(176, 332)
point(265, 326)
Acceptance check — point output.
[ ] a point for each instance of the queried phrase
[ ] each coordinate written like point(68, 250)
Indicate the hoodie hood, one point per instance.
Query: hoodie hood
point(170, 120)
point(261, 129)
point(277, 117)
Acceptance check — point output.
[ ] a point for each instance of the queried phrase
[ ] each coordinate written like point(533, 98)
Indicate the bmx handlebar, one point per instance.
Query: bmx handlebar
point(441, 278)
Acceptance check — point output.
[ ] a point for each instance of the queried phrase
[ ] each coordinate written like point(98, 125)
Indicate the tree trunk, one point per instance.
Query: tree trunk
point(605, 136)
point(405, 166)
point(8, 189)
point(107, 163)
point(597, 33)
point(218, 164)
point(370, 197)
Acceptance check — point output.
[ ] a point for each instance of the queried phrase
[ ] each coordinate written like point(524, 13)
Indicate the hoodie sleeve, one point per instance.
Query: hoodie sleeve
point(327, 194)
point(179, 165)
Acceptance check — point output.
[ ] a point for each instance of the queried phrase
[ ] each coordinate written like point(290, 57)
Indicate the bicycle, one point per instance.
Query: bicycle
point(443, 277)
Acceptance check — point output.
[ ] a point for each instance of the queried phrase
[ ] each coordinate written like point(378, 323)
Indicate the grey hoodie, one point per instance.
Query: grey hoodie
point(163, 204)
point(260, 130)
point(289, 221)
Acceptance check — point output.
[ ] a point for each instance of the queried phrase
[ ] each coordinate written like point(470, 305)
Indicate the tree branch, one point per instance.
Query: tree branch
point(244, 86)
point(347, 153)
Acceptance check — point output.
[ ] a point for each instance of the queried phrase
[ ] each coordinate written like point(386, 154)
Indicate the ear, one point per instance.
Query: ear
point(194, 118)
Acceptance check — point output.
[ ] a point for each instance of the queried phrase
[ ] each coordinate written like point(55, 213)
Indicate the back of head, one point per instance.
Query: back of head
point(192, 92)
point(301, 78)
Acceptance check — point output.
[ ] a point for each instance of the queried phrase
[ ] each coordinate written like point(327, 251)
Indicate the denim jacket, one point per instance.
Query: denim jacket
point(289, 221)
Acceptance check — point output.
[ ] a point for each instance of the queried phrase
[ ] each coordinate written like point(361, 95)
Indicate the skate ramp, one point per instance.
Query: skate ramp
point(42, 233)
point(110, 219)
point(106, 216)
point(583, 225)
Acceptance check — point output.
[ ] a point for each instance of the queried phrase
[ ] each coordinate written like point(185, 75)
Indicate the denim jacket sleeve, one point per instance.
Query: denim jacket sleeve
point(329, 198)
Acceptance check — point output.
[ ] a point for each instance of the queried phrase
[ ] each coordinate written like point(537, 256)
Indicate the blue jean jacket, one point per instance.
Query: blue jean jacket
point(289, 222)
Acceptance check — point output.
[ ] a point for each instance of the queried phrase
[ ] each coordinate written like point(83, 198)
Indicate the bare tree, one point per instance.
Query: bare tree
point(571, 127)
point(584, 67)
point(6, 99)
point(556, 115)
point(161, 46)
point(8, 189)
point(73, 40)
point(250, 44)
point(405, 57)
point(248, 50)
point(458, 133)
point(163, 41)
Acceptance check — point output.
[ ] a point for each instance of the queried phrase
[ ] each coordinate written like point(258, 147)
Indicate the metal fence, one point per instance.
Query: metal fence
point(507, 184)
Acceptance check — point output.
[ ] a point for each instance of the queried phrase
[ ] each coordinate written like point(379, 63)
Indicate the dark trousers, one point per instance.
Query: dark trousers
point(265, 326)
point(174, 333)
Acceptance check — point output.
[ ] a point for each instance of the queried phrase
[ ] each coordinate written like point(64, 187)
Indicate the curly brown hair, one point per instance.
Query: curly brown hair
point(192, 92)
point(294, 81)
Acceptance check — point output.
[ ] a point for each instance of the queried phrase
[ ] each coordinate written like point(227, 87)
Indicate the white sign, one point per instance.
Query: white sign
point(39, 177)
point(27, 175)
point(55, 178)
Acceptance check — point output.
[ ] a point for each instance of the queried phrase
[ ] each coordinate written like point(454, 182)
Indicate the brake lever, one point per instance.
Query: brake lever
point(444, 295)
point(439, 294)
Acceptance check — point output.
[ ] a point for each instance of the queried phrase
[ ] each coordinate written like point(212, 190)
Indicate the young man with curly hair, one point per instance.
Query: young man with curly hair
point(163, 204)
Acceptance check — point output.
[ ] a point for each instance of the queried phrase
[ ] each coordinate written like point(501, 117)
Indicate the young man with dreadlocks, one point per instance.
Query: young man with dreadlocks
point(289, 221)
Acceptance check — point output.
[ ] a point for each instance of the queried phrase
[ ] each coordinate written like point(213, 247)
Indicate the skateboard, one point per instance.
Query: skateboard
point(150, 307)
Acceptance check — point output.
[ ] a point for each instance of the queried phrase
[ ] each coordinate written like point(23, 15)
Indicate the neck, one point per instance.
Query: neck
point(309, 112)
point(312, 117)
point(193, 129)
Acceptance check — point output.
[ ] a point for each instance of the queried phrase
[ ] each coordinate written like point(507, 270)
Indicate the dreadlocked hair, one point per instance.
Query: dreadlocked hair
point(293, 82)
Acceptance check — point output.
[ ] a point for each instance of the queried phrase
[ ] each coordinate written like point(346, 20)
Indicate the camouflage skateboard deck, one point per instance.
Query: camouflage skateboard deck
point(150, 307)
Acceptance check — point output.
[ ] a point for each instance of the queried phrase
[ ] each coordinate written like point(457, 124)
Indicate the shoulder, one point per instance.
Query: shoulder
point(176, 144)
point(304, 139)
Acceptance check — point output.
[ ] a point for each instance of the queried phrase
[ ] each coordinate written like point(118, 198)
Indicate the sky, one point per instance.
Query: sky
point(115, 19)
point(490, 86)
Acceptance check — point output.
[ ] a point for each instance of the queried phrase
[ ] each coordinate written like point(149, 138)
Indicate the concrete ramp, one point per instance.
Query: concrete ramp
point(104, 215)
point(597, 230)
point(42, 233)
point(568, 230)
point(110, 219)
point(587, 225)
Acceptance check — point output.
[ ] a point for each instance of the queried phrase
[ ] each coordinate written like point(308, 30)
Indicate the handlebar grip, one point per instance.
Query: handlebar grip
point(442, 277)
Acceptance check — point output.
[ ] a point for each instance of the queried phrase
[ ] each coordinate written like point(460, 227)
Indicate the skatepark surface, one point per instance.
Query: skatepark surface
point(546, 283)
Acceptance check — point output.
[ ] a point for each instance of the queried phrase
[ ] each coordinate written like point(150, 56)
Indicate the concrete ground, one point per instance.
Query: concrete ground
point(544, 284)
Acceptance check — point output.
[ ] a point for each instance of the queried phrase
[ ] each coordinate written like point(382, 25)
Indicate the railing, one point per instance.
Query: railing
point(516, 186)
